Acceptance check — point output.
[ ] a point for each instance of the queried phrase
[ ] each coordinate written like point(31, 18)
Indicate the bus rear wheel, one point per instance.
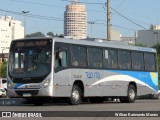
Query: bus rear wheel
point(131, 94)
point(76, 95)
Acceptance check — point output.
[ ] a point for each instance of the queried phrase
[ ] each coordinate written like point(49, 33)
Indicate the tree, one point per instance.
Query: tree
point(36, 34)
point(50, 34)
point(61, 36)
point(39, 34)
point(157, 47)
point(140, 45)
point(4, 69)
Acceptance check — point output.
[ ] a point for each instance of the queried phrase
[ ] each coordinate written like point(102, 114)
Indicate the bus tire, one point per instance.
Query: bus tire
point(76, 95)
point(131, 94)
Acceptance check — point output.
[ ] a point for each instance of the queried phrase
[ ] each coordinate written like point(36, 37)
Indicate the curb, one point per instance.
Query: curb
point(9, 102)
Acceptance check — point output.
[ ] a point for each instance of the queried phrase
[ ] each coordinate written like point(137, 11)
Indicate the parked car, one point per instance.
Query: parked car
point(3, 87)
point(2, 92)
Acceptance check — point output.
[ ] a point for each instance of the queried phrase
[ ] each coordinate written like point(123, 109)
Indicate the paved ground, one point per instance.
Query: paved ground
point(139, 105)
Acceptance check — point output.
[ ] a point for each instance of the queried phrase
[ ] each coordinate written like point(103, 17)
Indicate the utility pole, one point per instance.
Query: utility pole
point(25, 14)
point(91, 23)
point(108, 21)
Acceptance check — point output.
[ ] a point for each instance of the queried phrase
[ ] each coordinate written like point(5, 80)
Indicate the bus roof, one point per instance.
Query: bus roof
point(109, 44)
point(104, 44)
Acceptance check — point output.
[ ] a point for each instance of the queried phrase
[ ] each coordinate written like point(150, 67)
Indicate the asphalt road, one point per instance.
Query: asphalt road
point(152, 106)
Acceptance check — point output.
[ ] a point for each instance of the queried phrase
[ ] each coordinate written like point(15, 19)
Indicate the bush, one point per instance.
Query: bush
point(4, 69)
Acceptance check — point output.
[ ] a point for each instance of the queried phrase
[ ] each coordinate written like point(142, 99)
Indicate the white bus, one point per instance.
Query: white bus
point(44, 68)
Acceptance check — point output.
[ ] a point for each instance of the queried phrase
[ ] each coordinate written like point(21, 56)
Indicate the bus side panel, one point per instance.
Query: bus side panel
point(108, 89)
point(96, 83)
point(151, 86)
point(104, 84)
point(146, 82)
point(62, 83)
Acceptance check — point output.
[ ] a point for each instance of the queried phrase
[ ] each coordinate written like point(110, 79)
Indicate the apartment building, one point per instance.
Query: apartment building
point(75, 21)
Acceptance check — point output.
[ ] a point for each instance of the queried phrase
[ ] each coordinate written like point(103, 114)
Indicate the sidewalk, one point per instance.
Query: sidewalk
point(11, 101)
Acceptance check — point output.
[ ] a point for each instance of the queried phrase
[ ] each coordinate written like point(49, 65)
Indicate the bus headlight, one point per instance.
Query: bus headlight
point(46, 84)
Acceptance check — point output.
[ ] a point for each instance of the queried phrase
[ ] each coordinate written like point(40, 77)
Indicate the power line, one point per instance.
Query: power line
point(40, 16)
point(120, 4)
point(35, 3)
point(60, 19)
point(34, 16)
point(104, 24)
point(51, 5)
point(84, 2)
point(123, 27)
point(128, 19)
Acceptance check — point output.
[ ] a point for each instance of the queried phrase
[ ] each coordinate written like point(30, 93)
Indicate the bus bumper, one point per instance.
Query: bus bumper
point(22, 93)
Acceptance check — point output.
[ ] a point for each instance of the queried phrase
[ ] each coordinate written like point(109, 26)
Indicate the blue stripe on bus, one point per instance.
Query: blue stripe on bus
point(150, 78)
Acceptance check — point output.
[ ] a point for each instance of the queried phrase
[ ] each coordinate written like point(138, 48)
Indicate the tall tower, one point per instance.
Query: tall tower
point(75, 20)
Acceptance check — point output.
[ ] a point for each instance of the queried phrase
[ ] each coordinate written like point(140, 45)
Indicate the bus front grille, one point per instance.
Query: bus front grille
point(32, 92)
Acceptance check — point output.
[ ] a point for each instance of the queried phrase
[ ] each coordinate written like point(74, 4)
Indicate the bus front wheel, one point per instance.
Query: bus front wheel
point(76, 95)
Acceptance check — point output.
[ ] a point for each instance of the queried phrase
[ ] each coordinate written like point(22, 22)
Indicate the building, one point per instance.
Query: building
point(128, 40)
point(75, 21)
point(150, 37)
point(9, 29)
point(115, 35)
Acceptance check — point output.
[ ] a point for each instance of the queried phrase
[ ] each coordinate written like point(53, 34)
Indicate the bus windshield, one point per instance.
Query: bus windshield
point(29, 62)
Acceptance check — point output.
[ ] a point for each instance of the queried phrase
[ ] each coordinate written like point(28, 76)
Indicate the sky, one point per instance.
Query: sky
point(127, 16)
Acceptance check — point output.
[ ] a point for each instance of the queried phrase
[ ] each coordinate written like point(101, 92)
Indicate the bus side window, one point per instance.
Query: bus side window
point(64, 59)
point(137, 61)
point(60, 58)
point(150, 62)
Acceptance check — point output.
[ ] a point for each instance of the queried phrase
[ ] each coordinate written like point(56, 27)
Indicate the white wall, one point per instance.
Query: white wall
point(9, 29)
point(148, 37)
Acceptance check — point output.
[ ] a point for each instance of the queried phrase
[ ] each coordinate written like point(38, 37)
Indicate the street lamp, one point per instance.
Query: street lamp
point(25, 14)
point(91, 23)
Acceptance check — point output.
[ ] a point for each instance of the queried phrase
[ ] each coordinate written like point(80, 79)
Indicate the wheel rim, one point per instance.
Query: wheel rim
point(75, 95)
point(131, 94)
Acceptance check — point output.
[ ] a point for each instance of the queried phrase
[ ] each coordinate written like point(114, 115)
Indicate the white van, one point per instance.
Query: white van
point(3, 87)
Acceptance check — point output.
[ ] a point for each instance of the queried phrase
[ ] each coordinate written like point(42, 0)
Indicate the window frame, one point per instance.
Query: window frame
point(155, 62)
point(86, 60)
point(103, 66)
point(130, 60)
point(137, 69)
point(92, 47)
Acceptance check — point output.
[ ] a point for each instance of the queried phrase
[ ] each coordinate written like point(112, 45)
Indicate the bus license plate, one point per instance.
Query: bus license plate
point(26, 95)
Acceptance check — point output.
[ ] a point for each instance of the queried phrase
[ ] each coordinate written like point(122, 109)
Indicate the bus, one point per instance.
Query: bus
point(41, 69)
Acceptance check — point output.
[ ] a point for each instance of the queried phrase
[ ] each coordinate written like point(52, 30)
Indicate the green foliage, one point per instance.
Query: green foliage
point(140, 45)
point(39, 34)
point(157, 47)
point(50, 34)
point(4, 69)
